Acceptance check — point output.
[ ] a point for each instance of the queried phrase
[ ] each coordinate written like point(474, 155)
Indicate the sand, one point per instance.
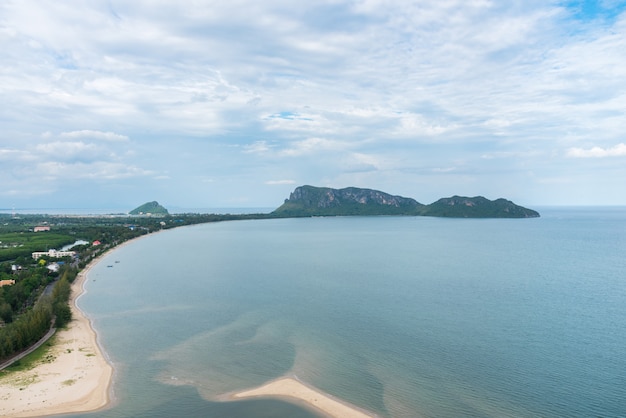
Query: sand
point(293, 389)
point(74, 377)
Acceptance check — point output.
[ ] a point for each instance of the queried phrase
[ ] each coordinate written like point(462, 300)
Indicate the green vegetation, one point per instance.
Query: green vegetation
point(351, 201)
point(150, 208)
point(324, 201)
point(41, 355)
point(477, 207)
point(23, 243)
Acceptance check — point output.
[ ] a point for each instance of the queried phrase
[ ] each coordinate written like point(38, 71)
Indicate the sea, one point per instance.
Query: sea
point(400, 316)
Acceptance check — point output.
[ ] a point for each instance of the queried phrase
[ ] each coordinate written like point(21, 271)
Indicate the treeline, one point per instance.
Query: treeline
point(16, 298)
point(33, 324)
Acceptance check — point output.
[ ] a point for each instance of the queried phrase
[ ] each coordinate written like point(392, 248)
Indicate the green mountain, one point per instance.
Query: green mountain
point(325, 201)
point(477, 207)
point(150, 208)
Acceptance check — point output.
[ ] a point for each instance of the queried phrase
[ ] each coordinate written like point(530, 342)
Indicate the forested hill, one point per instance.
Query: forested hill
point(150, 208)
point(325, 201)
point(477, 207)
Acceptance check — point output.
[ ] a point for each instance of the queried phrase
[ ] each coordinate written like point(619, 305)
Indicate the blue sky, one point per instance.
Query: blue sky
point(108, 104)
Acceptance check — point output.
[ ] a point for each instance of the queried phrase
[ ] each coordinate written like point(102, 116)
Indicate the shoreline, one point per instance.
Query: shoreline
point(75, 376)
point(292, 389)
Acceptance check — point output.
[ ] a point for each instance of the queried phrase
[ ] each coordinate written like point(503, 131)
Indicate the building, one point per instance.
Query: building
point(6, 282)
point(54, 267)
point(41, 228)
point(53, 253)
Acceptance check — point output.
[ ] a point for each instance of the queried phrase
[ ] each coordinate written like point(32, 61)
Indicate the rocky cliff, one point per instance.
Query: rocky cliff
point(325, 201)
point(321, 201)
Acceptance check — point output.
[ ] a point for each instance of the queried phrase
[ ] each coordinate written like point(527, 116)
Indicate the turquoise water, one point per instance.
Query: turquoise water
point(402, 316)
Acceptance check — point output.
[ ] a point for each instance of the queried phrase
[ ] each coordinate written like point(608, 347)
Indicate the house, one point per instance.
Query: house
point(6, 282)
point(53, 267)
point(41, 228)
point(96, 243)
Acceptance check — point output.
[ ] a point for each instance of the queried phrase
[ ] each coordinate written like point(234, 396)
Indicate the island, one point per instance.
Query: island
point(149, 209)
point(354, 201)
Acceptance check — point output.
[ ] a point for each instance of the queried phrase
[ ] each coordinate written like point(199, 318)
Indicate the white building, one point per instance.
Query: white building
point(54, 254)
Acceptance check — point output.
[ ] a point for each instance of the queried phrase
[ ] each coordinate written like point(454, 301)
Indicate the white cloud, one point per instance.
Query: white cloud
point(313, 146)
point(369, 86)
point(258, 147)
point(70, 150)
point(618, 150)
point(279, 182)
point(56, 170)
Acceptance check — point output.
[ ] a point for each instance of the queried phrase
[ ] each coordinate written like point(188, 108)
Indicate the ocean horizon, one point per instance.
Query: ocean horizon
point(175, 210)
point(401, 316)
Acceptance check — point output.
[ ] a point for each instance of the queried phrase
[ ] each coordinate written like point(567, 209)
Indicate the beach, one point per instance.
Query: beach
point(290, 388)
point(73, 377)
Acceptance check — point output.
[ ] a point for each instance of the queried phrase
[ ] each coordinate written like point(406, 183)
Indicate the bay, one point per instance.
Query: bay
point(402, 316)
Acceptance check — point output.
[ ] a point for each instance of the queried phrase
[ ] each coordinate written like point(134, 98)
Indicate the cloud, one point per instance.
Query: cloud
point(313, 146)
point(70, 151)
point(618, 150)
point(317, 90)
point(56, 170)
point(258, 147)
point(279, 182)
point(105, 136)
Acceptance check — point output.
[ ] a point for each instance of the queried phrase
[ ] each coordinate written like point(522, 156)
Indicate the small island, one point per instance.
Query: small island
point(354, 201)
point(149, 209)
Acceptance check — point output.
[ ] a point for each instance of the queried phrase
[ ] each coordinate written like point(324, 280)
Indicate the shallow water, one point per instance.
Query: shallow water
point(403, 316)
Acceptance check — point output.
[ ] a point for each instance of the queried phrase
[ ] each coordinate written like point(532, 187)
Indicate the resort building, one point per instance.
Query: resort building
point(54, 254)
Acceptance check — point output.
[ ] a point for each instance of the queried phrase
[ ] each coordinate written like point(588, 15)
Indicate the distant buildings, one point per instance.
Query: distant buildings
point(41, 228)
point(53, 253)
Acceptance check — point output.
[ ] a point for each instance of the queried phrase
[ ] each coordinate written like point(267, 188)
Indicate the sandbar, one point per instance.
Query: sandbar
point(74, 377)
point(290, 388)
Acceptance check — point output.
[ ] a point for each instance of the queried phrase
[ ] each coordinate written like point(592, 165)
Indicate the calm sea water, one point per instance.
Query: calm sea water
point(403, 316)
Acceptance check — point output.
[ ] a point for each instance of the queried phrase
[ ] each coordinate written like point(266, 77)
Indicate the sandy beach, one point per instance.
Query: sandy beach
point(74, 376)
point(291, 388)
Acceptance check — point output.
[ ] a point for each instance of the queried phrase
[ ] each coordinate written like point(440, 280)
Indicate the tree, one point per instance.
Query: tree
point(6, 313)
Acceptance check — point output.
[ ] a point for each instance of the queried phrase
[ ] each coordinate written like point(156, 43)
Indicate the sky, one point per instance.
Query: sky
point(209, 104)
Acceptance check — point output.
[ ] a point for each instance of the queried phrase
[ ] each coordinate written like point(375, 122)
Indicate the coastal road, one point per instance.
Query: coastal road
point(30, 350)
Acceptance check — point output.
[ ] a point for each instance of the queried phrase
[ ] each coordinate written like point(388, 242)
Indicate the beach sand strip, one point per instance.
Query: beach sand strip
point(73, 377)
point(290, 388)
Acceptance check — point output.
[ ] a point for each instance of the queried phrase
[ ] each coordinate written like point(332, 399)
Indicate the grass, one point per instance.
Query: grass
point(40, 355)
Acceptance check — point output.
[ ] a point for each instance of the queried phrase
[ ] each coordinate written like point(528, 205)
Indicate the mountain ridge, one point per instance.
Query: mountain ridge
point(325, 201)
